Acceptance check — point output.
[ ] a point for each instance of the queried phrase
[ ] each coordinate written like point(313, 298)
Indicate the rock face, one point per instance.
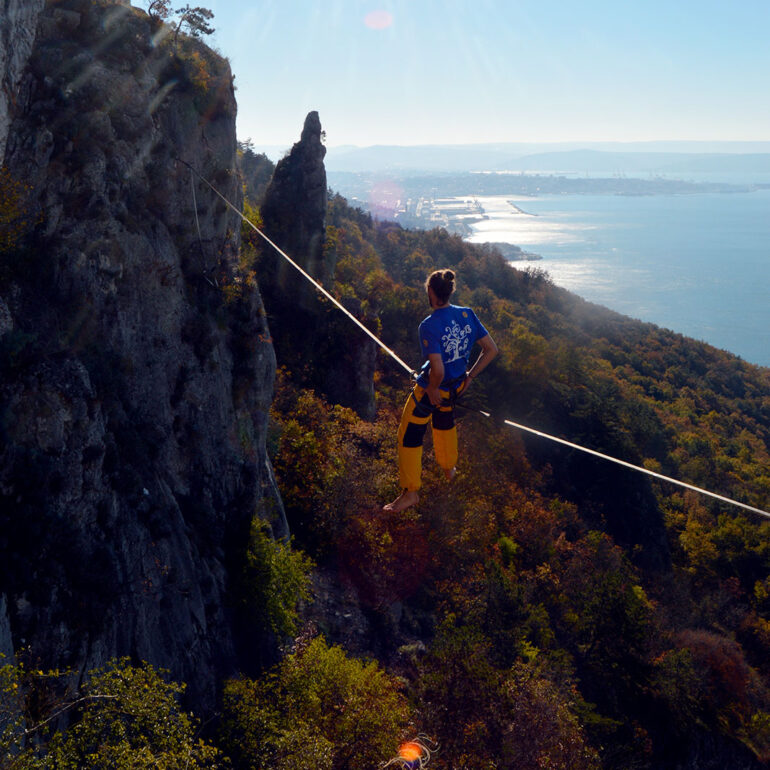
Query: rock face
point(18, 21)
point(312, 338)
point(294, 213)
point(136, 367)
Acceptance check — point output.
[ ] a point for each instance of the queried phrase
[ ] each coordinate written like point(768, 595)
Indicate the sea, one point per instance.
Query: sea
point(698, 264)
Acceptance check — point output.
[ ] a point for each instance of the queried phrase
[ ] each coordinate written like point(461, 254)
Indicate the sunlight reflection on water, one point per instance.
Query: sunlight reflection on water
point(698, 264)
point(509, 222)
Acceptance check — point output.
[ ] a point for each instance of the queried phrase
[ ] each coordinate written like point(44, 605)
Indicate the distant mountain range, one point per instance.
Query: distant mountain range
point(563, 158)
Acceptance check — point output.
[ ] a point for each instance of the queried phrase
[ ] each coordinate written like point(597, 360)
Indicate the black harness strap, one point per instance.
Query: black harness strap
point(453, 387)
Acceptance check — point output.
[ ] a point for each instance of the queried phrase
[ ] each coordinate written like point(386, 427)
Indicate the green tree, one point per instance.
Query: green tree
point(276, 580)
point(130, 717)
point(194, 21)
point(123, 717)
point(318, 710)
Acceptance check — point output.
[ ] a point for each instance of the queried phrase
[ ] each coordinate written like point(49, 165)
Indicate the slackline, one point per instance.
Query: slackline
point(412, 371)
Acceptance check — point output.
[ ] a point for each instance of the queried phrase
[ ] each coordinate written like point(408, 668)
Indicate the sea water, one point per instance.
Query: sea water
point(698, 264)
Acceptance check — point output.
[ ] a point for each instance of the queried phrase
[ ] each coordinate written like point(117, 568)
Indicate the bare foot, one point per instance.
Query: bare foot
point(450, 474)
point(405, 500)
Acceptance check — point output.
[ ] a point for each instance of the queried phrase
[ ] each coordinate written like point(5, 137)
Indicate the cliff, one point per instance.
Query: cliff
point(17, 33)
point(136, 367)
point(294, 212)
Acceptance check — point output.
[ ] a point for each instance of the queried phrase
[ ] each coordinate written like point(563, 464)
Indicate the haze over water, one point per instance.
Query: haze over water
point(697, 264)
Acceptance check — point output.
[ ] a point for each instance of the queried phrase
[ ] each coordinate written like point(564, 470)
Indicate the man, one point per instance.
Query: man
point(446, 338)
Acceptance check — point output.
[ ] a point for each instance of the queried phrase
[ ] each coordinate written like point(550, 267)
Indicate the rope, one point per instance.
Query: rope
point(195, 209)
point(625, 464)
point(307, 275)
point(510, 423)
point(198, 228)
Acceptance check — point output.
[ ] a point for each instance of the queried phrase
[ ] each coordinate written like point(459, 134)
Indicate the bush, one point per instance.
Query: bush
point(318, 710)
point(276, 580)
point(124, 717)
point(484, 716)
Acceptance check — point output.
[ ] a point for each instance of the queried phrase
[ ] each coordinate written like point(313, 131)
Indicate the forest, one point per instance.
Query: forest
point(544, 610)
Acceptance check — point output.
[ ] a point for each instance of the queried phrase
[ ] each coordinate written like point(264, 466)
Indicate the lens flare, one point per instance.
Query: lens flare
point(413, 755)
point(385, 198)
point(410, 751)
point(378, 19)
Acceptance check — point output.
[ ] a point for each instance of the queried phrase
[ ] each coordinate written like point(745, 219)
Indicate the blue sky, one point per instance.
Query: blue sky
point(471, 71)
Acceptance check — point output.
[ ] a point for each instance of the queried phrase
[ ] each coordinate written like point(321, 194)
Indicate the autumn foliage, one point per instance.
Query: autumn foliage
point(620, 616)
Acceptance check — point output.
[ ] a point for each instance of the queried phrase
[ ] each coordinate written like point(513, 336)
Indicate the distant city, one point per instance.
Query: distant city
point(450, 201)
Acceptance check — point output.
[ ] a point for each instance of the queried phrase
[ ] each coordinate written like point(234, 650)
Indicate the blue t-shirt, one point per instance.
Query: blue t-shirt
point(450, 331)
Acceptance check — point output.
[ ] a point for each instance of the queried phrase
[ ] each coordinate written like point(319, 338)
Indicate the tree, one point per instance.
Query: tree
point(318, 710)
point(123, 717)
point(159, 9)
point(275, 581)
point(194, 20)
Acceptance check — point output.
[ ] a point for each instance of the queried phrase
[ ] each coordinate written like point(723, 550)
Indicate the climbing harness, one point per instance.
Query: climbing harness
point(453, 388)
point(413, 373)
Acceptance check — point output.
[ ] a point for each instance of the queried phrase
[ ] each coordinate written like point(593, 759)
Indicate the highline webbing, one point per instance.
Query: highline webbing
point(412, 371)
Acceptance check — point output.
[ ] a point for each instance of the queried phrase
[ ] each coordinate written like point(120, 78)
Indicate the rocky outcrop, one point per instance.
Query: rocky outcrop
point(312, 338)
point(294, 213)
point(136, 367)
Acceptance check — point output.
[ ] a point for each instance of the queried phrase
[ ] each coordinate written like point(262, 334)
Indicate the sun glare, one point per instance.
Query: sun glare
point(378, 19)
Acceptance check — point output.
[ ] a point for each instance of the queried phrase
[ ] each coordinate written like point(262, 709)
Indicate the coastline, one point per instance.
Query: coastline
point(693, 264)
point(511, 252)
point(520, 210)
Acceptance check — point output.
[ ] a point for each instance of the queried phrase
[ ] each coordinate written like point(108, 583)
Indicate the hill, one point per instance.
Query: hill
point(571, 158)
point(546, 609)
point(622, 599)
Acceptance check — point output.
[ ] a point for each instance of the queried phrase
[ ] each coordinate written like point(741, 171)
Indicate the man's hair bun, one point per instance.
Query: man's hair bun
point(442, 282)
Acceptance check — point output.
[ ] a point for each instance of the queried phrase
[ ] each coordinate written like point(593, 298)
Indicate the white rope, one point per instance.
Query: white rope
point(510, 423)
point(309, 277)
point(195, 209)
point(639, 468)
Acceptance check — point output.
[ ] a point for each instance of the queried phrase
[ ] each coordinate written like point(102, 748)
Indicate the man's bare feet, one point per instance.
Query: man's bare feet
point(450, 473)
point(405, 500)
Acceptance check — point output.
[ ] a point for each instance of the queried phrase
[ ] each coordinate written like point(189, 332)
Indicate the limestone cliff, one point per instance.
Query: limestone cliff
point(136, 366)
point(18, 21)
point(312, 338)
point(294, 212)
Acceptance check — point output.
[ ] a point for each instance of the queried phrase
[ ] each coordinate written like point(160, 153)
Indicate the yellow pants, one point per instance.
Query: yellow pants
point(418, 412)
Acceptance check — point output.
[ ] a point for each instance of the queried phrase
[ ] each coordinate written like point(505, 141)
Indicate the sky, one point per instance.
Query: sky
point(411, 72)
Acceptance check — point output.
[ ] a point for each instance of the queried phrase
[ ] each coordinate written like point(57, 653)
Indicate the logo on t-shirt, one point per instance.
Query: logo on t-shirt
point(456, 341)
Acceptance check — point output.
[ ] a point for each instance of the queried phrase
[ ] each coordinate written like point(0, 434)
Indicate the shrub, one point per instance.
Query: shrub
point(124, 717)
point(276, 580)
point(318, 710)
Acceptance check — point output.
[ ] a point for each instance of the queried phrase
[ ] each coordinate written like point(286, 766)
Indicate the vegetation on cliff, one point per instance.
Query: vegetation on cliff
point(627, 619)
point(544, 610)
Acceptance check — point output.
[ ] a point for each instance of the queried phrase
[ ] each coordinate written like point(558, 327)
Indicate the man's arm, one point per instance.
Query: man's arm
point(435, 379)
point(489, 351)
